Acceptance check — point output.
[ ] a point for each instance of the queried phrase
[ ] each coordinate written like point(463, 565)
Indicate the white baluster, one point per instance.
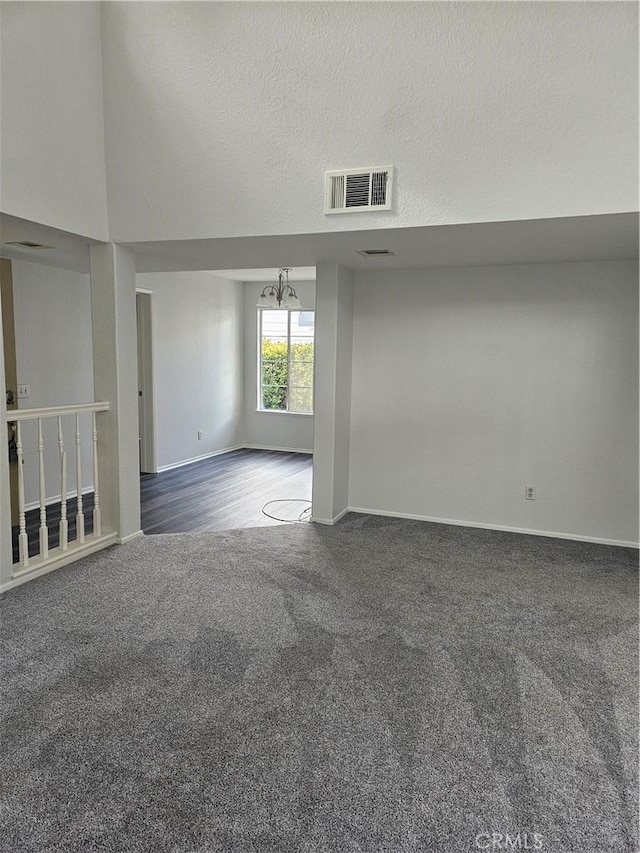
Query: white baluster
point(23, 542)
point(64, 524)
point(97, 519)
point(79, 513)
point(44, 532)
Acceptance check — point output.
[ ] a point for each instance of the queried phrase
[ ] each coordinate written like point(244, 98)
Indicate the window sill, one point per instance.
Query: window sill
point(280, 412)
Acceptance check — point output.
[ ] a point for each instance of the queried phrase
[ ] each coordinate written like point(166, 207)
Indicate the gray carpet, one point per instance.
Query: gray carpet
point(383, 685)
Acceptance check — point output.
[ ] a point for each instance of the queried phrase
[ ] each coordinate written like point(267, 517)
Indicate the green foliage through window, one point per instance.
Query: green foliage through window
point(286, 361)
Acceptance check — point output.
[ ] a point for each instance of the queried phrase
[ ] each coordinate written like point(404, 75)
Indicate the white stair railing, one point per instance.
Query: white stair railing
point(39, 417)
point(79, 510)
point(44, 530)
point(23, 542)
point(97, 517)
point(64, 524)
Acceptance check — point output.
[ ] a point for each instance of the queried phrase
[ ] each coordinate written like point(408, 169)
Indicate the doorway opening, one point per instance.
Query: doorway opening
point(234, 424)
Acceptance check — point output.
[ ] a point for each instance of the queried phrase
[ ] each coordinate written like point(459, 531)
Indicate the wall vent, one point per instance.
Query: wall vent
point(354, 190)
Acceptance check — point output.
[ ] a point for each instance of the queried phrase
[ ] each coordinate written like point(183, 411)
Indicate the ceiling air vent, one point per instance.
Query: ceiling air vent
point(27, 244)
point(353, 190)
point(375, 253)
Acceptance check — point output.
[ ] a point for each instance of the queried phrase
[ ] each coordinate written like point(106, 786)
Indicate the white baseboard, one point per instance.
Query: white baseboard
point(553, 534)
point(282, 449)
point(55, 499)
point(123, 540)
point(335, 520)
point(37, 567)
point(173, 465)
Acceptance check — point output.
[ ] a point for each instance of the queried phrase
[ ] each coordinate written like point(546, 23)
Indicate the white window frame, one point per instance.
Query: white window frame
point(259, 406)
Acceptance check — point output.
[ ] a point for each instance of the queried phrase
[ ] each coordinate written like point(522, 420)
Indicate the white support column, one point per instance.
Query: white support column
point(332, 381)
point(113, 305)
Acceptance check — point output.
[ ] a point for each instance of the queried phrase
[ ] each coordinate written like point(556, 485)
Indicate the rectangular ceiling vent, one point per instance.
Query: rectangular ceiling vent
point(27, 244)
point(357, 190)
point(376, 253)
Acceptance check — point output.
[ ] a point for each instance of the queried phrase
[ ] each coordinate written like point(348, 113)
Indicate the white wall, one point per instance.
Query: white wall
point(469, 384)
point(52, 158)
point(198, 357)
point(54, 355)
point(271, 429)
point(221, 118)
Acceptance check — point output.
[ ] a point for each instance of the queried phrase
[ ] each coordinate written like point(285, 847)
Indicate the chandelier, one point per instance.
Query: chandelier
point(280, 295)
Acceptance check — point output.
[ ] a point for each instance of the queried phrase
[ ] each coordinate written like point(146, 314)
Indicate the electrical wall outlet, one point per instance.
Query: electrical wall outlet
point(529, 493)
point(24, 391)
point(199, 435)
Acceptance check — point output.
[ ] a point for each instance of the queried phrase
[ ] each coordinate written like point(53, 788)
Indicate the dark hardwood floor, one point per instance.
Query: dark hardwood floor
point(223, 492)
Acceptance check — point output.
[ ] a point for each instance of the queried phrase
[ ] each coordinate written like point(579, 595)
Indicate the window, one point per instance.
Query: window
point(286, 361)
point(306, 318)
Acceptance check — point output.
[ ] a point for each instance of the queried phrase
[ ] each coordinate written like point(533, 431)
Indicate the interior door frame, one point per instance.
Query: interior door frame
point(10, 371)
point(146, 391)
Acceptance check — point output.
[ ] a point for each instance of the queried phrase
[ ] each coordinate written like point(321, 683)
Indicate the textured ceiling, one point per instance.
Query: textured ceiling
point(221, 118)
point(268, 274)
